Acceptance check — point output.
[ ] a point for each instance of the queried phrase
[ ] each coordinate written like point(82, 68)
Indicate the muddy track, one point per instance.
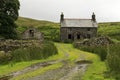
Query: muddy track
point(77, 71)
point(33, 68)
point(66, 72)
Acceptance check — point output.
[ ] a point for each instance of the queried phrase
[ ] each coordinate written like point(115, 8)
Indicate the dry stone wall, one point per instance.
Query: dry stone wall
point(9, 45)
point(95, 42)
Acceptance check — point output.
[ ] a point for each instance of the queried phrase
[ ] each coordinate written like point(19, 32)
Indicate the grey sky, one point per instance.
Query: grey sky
point(105, 10)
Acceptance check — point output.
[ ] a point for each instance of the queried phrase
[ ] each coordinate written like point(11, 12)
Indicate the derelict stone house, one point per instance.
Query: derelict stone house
point(32, 33)
point(77, 29)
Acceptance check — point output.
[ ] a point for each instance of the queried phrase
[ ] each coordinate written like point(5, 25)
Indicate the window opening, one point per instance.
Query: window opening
point(69, 36)
point(31, 33)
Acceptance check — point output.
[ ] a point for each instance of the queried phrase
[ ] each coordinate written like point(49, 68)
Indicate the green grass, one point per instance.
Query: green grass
point(72, 53)
point(113, 61)
point(11, 67)
point(110, 29)
point(96, 71)
point(25, 23)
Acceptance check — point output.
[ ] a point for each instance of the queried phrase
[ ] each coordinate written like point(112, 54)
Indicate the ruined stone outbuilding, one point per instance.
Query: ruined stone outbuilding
point(77, 29)
point(32, 33)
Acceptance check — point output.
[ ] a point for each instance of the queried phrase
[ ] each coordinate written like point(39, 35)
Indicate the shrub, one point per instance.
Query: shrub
point(110, 29)
point(5, 57)
point(50, 33)
point(34, 52)
point(113, 60)
point(97, 45)
point(99, 50)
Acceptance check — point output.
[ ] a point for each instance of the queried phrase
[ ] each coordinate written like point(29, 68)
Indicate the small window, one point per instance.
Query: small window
point(78, 36)
point(88, 36)
point(88, 29)
point(69, 36)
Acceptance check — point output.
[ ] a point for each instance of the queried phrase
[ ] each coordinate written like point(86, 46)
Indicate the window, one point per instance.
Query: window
point(69, 36)
point(88, 29)
point(78, 36)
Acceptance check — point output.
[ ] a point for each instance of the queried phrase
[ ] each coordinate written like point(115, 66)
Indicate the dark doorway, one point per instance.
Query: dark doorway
point(69, 36)
point(78, 36)
point(31, 33)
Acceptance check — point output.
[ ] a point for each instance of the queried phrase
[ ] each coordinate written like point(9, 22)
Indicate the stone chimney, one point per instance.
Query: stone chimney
point(61, 17)
point(93, 17)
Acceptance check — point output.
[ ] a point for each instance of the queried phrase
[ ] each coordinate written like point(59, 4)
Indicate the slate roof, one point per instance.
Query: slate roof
point(78, 23)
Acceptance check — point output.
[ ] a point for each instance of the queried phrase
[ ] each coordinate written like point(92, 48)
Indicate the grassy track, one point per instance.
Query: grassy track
point(73, 53)
point(65, 52)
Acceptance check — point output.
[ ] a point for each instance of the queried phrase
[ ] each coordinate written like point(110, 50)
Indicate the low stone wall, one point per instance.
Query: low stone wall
point(94, 42)
point(8, 45)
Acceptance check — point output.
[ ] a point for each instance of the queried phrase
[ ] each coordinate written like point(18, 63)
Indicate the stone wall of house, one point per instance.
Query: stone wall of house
point(72, 34)
point(32, 34)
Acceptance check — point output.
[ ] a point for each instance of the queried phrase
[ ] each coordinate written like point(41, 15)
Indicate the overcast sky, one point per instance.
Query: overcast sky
point(50, 10)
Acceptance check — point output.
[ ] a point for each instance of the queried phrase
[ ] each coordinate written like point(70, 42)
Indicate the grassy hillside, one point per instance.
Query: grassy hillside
point(27, 22)
point(111, 29)
point(49, 29)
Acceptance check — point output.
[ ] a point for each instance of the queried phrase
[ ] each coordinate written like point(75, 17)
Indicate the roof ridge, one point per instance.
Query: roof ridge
point(75, 19)
point(69, 22)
